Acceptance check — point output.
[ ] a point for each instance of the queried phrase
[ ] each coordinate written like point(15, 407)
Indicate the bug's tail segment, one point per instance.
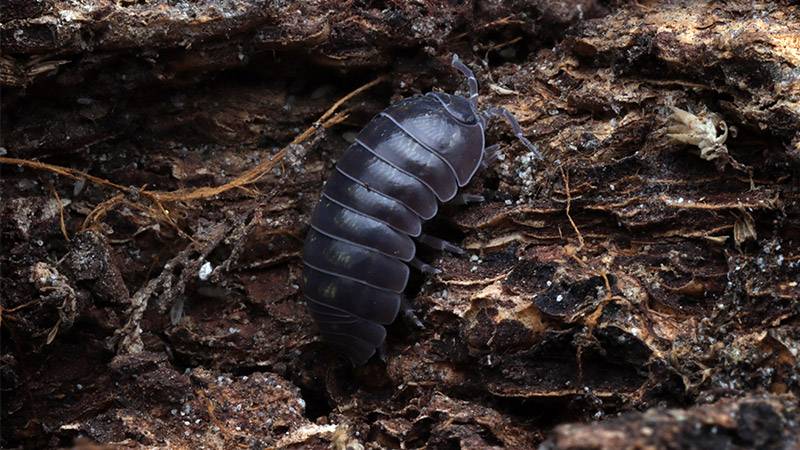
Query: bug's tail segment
point(471, 80)
point(358, 339)
point(334, 298)
point(356, 350)
point(506, 114)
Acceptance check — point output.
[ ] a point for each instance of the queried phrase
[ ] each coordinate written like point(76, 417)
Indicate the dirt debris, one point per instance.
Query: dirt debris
point(200, 408)
point(54, 288)
point(750, 422)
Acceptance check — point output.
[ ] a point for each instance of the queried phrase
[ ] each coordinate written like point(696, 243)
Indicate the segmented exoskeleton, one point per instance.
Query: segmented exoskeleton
point(407, 159)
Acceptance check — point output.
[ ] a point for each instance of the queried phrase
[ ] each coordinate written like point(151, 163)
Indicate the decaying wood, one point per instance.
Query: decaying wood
point(637, 288)
point(749, 422)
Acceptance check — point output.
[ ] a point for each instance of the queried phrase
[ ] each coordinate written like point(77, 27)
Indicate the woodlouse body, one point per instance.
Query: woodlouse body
point(406, 160)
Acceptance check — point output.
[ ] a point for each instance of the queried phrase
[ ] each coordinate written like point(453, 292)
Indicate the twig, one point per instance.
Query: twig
point(502, 21)
point(65, 171)
point(158, 198)
point(327, 120)
point(565, 177)
point(62, 224)
point(4, 311)
point(338, 118)
point(501, 45)
point(254, 174)
point(100, 210)
point(239, 237)
point(128, 338)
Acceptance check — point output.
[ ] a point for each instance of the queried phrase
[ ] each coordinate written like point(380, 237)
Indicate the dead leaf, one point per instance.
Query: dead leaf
point(744, 229)
point(53, 332)
point(700, 130)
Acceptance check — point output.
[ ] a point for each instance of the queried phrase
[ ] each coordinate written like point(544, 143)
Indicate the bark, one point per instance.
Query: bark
point(636, 288)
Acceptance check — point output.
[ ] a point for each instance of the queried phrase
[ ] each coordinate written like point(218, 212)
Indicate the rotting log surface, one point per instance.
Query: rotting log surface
point(637, 288)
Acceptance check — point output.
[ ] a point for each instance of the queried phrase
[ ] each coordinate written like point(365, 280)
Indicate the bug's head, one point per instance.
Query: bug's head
point(466, 108)
point(458, 107)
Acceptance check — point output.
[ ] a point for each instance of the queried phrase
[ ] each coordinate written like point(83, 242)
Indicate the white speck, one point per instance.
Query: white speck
point(473, 258)
point(302, 403)
point(79, 386)
point(205, 271)
point(549, 283)
point(559, 298)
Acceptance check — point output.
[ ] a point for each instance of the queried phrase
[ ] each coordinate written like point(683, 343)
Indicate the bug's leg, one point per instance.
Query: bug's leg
point(471, 80)
point(439, 244)
point(506, 114)
point(381, 352)
point(466, 199)
point(424, 267)
point(490, 155)
point(409, 317)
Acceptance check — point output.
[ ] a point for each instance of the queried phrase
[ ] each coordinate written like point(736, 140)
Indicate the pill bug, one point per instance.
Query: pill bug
point(409, 158)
